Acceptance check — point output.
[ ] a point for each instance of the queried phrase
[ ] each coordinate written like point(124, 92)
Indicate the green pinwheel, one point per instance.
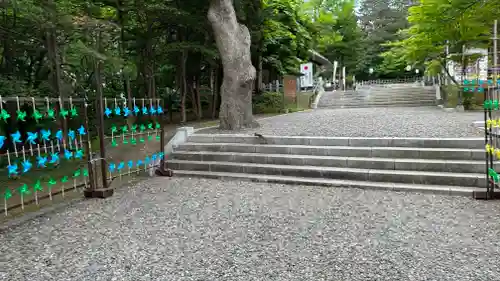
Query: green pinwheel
point(7, 194)
point(64, 113)
point(493, 174)
point(38, 186)
point(51, 183)
point(74, 112)
point(24, 189)
point(85, 172)
point(77, 173)
point(157, 126)
point(64, 179)
point(21, 115)
point(51, 113)
point(37, 115)
point(125, 129)
point(4, 115)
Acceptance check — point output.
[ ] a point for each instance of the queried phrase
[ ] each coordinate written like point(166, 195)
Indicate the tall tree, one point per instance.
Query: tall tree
point(233, 42)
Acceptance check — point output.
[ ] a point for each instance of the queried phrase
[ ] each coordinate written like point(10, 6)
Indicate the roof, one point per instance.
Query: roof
point(318, 58)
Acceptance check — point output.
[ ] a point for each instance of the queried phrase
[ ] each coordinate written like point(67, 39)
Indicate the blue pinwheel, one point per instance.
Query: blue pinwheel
point(71, 134)
point(2, 141)
point(16, 137)
point(68, 154)
point(41, 161)
point(126, 111)
point(152, 110)
point(81, 131)
point(45, 135)
point(146, 160)
point(107, 112)
point(59, 135)
point(130, 164)
point(159, 110)
point(54, 158)
point(121, 166)
point(79, 154)
point(161, 155)
point(26, 166)
point(139, 162)
point(136, 110)
point(145, 111)
point(112, 167)
point(12, 169)
point(118, 111)
point(32, 137)
point(154, 157)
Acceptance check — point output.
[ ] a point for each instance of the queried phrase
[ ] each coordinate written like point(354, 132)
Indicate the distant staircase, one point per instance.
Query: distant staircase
point(445, 166)
point(381, 95)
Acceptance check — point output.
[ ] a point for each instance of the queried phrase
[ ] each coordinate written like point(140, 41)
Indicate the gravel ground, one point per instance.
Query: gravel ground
point(370, 122)
point(190, 229)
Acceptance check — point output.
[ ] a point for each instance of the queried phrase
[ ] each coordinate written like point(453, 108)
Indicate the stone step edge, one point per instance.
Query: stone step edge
point(397, 187)
point(339, 169)
point(352, 158)
point(400, 148)
point(341, 138)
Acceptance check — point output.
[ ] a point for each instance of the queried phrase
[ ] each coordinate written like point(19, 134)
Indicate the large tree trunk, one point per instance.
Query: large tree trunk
point(233, 42)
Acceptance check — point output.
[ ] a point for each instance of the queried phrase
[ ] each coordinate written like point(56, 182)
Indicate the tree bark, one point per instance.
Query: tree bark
point(233, 42)
point(183, 87)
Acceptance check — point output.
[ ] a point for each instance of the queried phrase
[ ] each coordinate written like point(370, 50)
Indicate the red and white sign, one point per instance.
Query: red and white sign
point(306, 80)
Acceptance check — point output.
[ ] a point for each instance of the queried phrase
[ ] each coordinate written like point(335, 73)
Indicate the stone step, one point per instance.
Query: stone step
point(346, 151)
point(453, 166)
point(383, 102)
point(409, 177)
point(466, 143)
point(434, 189)
point(380, 101)
point(369, 105)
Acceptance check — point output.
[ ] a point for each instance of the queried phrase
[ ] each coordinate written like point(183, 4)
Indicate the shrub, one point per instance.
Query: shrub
point(268, 102)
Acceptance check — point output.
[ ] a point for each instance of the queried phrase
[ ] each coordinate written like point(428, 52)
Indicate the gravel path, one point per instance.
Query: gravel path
point(187, 229)
point(370, 122)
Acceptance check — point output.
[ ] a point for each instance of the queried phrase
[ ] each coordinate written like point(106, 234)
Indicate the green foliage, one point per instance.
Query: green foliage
point(268, 102)
point(436, 23)
point(287, 35)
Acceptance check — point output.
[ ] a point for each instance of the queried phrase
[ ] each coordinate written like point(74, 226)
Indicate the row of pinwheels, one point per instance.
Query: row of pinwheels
point(134, 111)
point(491, 104)
point(25, 189)
point(44, 135)
point(15, 169)
point(21, 115)
point(134, 129)
point(118, 167)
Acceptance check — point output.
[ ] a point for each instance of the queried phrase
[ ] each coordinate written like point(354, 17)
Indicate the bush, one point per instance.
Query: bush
point(468, 100)
point(268, 102)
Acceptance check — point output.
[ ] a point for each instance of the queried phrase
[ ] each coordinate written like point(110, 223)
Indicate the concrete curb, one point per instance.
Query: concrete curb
point(259, 119)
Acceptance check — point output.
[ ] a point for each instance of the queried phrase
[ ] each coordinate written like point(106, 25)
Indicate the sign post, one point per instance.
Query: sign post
point(306, 80)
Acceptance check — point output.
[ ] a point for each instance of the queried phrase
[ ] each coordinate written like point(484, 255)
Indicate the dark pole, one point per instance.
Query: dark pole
point(105, 191)
point(87, 147)
point(100, 109)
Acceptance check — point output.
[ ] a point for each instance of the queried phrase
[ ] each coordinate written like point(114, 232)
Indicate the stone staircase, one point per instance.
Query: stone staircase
point(445, 166)
point(395, 95)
